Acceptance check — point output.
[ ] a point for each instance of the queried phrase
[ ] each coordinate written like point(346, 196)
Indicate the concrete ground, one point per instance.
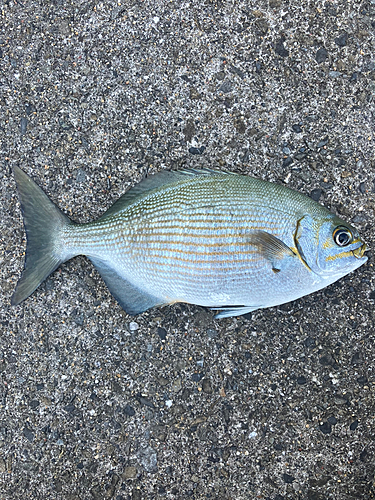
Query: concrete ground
point(174, 404)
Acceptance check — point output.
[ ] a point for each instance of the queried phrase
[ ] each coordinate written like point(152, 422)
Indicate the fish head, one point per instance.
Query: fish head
point(329, 246)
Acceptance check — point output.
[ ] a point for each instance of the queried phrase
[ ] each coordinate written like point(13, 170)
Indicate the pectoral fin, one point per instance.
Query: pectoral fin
point(272, 249)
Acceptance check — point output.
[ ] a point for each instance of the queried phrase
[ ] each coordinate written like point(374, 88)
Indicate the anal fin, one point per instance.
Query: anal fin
point(230, 311)
point(131, 299)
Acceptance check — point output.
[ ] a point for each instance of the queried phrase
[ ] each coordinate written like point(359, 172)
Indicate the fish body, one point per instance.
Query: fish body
point(215, 239)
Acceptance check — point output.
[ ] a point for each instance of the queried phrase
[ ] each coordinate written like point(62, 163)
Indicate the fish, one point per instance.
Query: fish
point(230, 242)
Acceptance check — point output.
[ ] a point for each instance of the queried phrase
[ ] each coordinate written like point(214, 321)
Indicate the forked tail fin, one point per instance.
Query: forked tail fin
point(43, 224)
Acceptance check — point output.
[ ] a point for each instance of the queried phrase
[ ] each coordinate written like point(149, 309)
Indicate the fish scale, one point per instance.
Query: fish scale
point(205, 237)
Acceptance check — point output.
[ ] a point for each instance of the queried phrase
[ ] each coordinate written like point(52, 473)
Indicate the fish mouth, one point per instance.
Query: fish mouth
point(358, 252)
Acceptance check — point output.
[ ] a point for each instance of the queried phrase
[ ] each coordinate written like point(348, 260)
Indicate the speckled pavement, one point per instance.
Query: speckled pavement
point(173, 404)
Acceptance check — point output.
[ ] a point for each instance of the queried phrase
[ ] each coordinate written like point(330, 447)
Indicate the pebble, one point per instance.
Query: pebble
point(207, 386)
point(29, 435)
point(176, 385)
point(354, 425)
point(133, 326)
point(362, 380)
point(363, 187)
point(323, 142)
point(226, 87)
point(80, 175)
point(129, 473)
point(341, 40)
point(316, 194)
point(148, 458)
point(23, 125)
point(162, 332)
point(280, 49)
point(287, 161)
point(211, 333)
point(297, 128)
point(334, 74)
point(325, 427)
point(321, 55)
point(29, 108)
point(332, 420)
point(197, 151)
point(288, 478)
point(128, 410)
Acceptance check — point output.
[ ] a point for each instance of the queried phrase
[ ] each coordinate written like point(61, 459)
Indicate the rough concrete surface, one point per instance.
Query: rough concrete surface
point(174, 404)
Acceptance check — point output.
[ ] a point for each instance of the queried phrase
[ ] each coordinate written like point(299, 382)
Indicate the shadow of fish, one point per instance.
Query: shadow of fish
point(216, 239)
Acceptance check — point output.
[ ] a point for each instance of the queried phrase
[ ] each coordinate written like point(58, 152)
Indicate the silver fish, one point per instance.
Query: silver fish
point(216, 239)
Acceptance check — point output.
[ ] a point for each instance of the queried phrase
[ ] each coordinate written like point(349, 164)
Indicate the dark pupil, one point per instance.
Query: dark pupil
point(342, 238)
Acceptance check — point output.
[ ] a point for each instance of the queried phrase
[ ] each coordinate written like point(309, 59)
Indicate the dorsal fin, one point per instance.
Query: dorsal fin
point(163, 178)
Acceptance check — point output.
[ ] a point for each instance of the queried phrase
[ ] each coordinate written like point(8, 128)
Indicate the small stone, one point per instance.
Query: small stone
point(162, 332)
point(316, 194)
point(28, 433)
point(226, 87)
point(287, 161)
point(357, 359)
point(29, 108)
point(280, 49)
point(23, 125)
point(58, 486)
point(176, 385)
point(323, 142)
point(325, 427)
point(136, 494)
point(207, 386)
point(197, 151)
point(326, 360)
point(148, 458)
point(288, 478)
point(133, 326)
point(34, 404)
point(128, 410)
point(144, 401)
point(341, 40)
point(194, 94)
point(162, 381)
point(362, 380)
point(332, 420)
point(129, 473)
point(211, 333)
point(297, 128)
point(354, 425)
point(321, 55)
point(362, 187)
point(372, 295)
point(81, 175)
point(301, 380)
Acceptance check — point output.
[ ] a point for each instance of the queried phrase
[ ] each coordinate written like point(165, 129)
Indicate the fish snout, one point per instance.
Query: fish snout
point(358, 252)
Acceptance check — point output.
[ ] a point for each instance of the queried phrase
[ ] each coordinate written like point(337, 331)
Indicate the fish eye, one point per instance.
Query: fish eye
point(342, 236)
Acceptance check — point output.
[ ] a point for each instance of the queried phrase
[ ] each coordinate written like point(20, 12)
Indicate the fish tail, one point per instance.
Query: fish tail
point(43, 224)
